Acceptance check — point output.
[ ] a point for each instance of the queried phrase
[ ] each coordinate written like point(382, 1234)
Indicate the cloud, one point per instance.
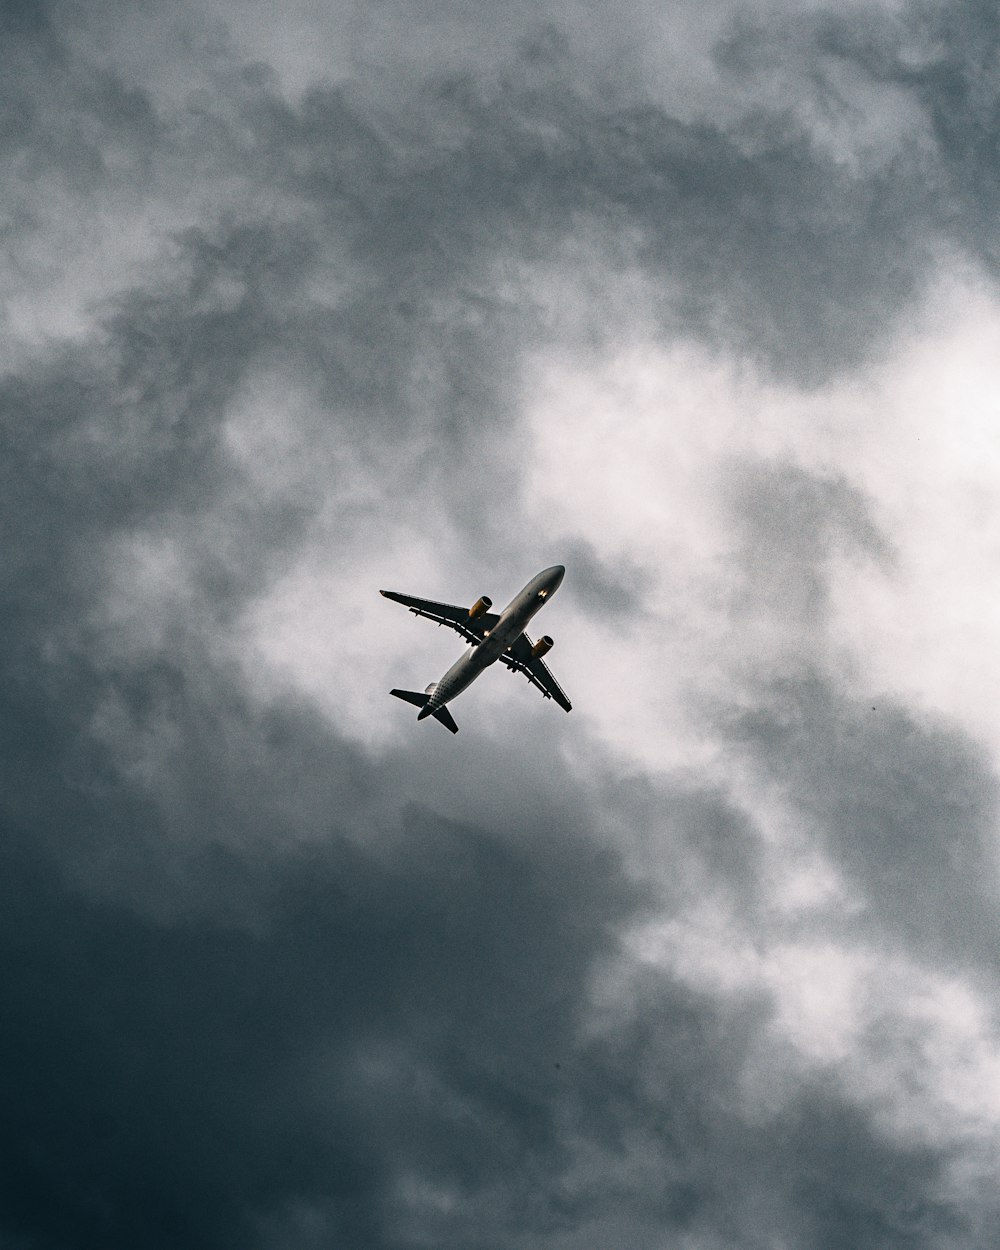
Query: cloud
point(904, 808)
point(709, 960)
point(197, 1075)
point(778, 251)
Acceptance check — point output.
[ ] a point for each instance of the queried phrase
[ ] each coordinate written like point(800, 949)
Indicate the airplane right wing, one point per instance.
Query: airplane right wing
point(455, 617)
point(519, 659)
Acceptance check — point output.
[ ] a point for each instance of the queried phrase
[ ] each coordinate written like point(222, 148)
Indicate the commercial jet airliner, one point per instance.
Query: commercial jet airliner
point(491, 638)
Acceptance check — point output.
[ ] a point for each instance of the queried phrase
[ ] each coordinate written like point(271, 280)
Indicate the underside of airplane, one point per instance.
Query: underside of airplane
point(491, 637)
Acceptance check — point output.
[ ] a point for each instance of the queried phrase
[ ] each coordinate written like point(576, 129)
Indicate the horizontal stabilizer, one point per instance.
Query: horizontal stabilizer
point(445, 717)
point(410, 696)
point(420, 700)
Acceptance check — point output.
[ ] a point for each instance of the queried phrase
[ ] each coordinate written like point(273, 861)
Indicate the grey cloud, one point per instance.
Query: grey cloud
point(608, 588)
point(426, 1003)
point(901, 802)
point(959, 89)
point(262, 986)
point(196, 1050)
point(396, 1033)
point(904, 806)
point(67, 126)
point(326, 1038)
point(941, 58)
point(661, 1145)
point(783, 255)
point(791, 523)
point(807, 512)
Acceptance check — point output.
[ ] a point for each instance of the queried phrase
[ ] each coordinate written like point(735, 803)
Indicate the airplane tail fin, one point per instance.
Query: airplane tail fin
point(420, 700)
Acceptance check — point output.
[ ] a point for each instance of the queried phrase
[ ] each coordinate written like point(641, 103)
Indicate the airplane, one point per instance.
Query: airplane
point(491, 637)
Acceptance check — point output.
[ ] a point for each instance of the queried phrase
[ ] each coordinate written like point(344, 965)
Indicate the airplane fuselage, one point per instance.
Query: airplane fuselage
point(512, 622)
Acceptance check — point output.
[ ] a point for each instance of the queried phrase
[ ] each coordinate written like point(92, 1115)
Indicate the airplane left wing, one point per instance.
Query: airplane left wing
point(519, 659)
point(455, 617)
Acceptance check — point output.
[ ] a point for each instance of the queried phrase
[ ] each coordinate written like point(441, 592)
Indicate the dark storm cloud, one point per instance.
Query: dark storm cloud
point(260, 988)
point(815, 1166)
point(177, 1082)
point(393, 1055)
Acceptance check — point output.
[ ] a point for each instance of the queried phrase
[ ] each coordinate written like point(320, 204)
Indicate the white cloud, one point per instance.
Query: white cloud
point(630, 452)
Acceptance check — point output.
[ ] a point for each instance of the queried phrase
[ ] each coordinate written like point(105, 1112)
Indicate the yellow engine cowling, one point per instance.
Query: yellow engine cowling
point(480, 607)
point(542, 647)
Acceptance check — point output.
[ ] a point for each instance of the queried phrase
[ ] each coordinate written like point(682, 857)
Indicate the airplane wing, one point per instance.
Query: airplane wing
point(518, 659)
point(450, 614)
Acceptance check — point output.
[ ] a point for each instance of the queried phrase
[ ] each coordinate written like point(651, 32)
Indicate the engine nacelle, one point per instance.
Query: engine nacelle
point(542, 647)
point(480, 607)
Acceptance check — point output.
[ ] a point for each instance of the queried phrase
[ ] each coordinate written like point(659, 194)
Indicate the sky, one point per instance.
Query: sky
point(300, 302)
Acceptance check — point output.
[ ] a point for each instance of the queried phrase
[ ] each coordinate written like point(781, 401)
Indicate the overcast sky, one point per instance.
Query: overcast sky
point(301, 301)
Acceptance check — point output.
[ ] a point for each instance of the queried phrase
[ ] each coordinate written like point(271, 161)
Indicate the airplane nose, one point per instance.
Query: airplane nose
point(558, 573)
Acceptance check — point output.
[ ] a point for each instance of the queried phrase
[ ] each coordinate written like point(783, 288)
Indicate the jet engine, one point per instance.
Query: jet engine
point(480, 607)
point(542, 647)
